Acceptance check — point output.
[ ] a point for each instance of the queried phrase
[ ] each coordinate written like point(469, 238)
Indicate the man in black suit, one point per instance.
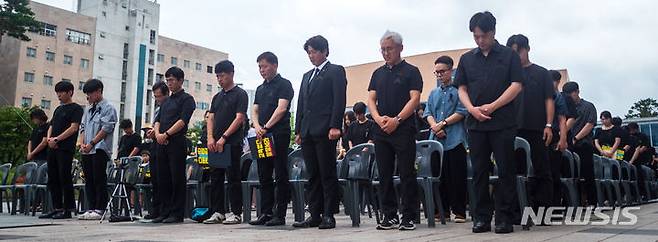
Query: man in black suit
point(320, 108)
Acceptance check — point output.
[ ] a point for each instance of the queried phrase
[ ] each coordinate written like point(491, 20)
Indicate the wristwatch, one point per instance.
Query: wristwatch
point(398, 119)
point(225, 137)
point(549, 125)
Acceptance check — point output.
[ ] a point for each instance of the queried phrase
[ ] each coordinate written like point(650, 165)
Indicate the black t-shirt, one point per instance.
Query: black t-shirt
point(393, 85)
point(63, 117)
point(487, 78)
point(127, 143)
point(538, 87)
point(267, 99)
point(38, 133)
point(225, 106)
point(607, 137)
point(179, 106)
point(360, 133)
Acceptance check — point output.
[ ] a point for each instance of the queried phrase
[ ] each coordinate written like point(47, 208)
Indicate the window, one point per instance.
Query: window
point(26, 102)
point(47, 80)
point(66, 80)
point(122, 108)
point(147, 117)
point(186, 63)
point(104, 14)
point(78, 37)
point(151, 57)
point(159, 77)
point(45, 104)
point(123, 91)
point(82, 84)
point(150, 76)
point(125, 50)
point(127, 28)
point(31, 52)
point(209, 69)
point(45, 29)
point(209, 88)
point(198, 66)
point(84, 63)
point(197, 86)
point(29, 77)
point(174, 60)
point(152, 37)
point(160, 58)
point(202, 105)
point(50, 56)
point(186, 83)
point(654, 134)
point(124, 71)
point(68, 60)
point(149, 96)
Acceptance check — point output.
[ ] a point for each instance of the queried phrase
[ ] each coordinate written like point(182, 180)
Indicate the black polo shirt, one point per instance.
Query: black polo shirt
point(393, 85)
point(360, 133)
point(607, 137)
point(127, 143)
point(487, 78)
point(267, 99)
point(63, 117)
point(537, 87)
point(38, 133)
point(179, 106)
point(586, 114)
point(225, 106)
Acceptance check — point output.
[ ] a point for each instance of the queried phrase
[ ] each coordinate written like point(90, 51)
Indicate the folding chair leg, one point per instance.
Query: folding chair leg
point(246, 202)
point(439, 202)
point(428, 205)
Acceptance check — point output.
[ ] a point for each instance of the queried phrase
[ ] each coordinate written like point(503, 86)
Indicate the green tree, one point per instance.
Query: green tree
point(643, 108)
point(16, 129)
point(16, 17)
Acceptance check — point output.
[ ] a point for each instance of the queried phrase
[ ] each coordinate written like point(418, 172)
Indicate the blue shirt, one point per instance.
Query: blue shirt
point(443, 102)
point(560, 109)
point(102, 116)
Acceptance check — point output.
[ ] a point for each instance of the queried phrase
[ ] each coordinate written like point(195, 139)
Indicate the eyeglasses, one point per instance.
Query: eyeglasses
point(440, 72)
point(387, 49)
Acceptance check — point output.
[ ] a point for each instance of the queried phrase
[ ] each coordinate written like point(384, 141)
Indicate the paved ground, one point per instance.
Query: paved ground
point(29, 228)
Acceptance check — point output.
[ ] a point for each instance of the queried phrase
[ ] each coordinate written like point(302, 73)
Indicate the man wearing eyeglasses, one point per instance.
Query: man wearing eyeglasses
point(394, 94)
point(445, 115)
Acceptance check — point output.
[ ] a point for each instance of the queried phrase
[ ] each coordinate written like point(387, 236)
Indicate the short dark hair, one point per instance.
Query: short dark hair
point(444, 59)
point(176, 72)
point(269, 57)
point(483, 20)
point(92, 85)
point(145, 152)
point(125, 124)
point(556, 75)
point(38, 114)
point(519, 40)
point(224, 66)
point(633, 125)
point(359, 108)
point(606, 114)
point(570, 87)
point(350, 115)
point(617, 121)
point(162, 86)
point(318, 43)
point(64, 86)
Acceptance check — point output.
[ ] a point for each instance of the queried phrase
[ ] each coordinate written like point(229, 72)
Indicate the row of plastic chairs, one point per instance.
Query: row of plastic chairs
point(617, 182)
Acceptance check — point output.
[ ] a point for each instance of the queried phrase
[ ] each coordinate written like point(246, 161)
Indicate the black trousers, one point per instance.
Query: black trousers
point(453, 181)
point(60, 180)
point(156, 204)
point(559, 166)
point(171, 169)
point(275, 204)
point(540, 188)
point(501, 143)
point(586, 153)
point(217, 177)
point(387, 149)
point(94, 166)
point(320, 159)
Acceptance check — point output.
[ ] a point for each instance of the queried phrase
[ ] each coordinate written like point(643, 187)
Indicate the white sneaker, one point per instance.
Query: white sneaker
point(94, 215)
point(84, 215)
point(233, 219)
point(216, 218)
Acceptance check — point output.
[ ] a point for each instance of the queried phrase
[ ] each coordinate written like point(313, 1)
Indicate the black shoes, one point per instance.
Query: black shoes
point(151, 216)
point(308, 223)
point(481, 227)
point(327, 223)
point(158, 219)
point(389, 223)
point(276, 221)
point(172, 220)
point(407, 224)
point(261, 220)
point(49, 215)
point(62, 215)
point(504, 228)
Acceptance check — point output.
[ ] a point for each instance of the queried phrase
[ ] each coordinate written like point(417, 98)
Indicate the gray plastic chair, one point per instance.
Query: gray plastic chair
point(522, 179)
point(570, 181)
point(355, 174)
point(26, 170)
point(427, 181)
point(298, 179)
point(4, 175)
point(39, 191)
point(248, 186)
